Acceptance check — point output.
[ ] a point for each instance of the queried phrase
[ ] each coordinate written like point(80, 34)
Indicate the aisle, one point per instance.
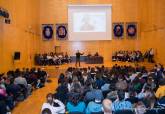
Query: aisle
point(32, 105)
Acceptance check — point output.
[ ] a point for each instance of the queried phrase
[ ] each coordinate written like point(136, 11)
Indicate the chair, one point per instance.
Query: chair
point(3, 109)
point(161, 111)
point(21, 95)
point(97, 112)
point(124, 112)
point(75, 113)
point(151, 111)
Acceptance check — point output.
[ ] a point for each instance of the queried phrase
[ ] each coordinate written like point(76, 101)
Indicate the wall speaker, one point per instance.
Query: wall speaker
point(17, 55)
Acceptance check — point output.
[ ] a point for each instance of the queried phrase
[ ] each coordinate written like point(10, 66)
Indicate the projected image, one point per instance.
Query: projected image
point(89, 22)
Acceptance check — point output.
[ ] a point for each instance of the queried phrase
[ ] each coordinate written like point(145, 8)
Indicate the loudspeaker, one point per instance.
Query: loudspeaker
point(17, 55)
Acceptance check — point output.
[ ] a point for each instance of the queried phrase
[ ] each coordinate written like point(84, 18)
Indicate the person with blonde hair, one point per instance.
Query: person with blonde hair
point(107, 104)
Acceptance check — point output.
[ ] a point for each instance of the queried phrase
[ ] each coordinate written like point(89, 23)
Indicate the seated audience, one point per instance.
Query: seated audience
point(75, 104)
point(161, 90)
point(96, 54)
point(140, 108)
point(52, 58)
point(62, 92)
point(21, 81)
point(147, 96)
point(121, 84)
point(3, 106)
point(17, 85)
point(46, 111)
point(93, 94)
point(89, 54)
point(125, 86)
point(120, 103)
point(39, 84)
point(54, 105)
point(130, 56)
point(107, 104)
point(94, 106)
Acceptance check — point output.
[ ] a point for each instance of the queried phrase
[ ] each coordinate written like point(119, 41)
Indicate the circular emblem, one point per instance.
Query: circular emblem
point(131, 30)
point(118, 30)
point(61, 31)
point(48, 32)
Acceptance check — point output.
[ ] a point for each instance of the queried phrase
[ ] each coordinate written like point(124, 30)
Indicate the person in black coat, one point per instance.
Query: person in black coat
point(78, 54)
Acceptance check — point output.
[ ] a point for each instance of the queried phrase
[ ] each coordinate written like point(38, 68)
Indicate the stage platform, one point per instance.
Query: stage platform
point(54, 71)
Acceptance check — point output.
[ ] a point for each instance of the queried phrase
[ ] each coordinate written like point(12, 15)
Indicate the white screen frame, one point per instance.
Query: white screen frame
point(87, 36)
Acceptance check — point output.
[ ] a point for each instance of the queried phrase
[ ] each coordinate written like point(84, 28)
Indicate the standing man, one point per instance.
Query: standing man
point(151, 55)
point(78, 54)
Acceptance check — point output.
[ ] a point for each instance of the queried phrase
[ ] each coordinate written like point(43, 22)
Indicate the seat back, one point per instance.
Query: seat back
point(75, 113)
point(151, 111)
point(124, 112)
point(161, 111)
point(97, 112)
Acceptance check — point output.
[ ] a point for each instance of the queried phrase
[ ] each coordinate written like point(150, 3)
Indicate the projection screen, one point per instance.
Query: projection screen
point(89, 22)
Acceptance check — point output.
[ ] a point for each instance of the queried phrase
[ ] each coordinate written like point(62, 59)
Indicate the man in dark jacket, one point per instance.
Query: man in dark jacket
point(78, 54)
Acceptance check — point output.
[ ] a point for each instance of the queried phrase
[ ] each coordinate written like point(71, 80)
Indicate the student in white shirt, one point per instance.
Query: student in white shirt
point(50, 104)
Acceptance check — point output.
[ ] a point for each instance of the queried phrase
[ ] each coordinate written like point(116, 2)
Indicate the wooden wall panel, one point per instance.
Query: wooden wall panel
point(153, 27)
point(55, 11)
point(16, 36)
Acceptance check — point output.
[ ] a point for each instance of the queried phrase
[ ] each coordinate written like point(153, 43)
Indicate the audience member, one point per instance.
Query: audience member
point(90, 90)
point(161, 90)
point(17, 85)
point(107, 104)
point(52, 59)
point(75, 104)
point(130, 56)
point(94, 106)
point(54, 105)
point(120, 103)
point(122, 87)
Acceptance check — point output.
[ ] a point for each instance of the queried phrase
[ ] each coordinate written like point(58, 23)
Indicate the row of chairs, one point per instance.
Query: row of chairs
point(149, 111)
